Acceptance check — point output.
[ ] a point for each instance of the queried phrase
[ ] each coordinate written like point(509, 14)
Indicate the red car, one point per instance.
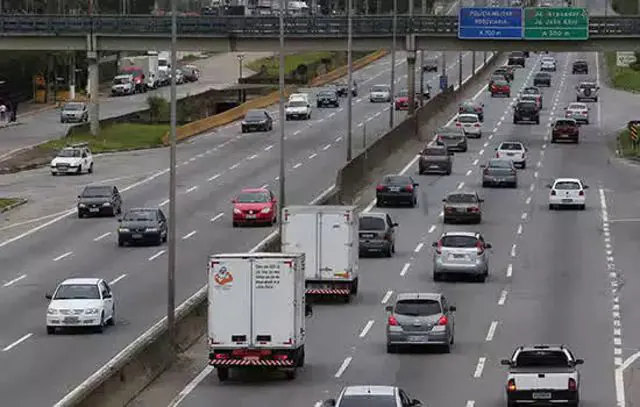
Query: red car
point(401, 101)
point(255, 206)
point(499, 87)
point(139, 78)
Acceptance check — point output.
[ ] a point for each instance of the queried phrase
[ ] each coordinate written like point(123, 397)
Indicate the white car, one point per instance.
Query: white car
point(548, 64)
point(380, 93)
point(123, 85)
point(577, 111)
point(298, 109)
point(513, 151)
point(74, 159)
point(567, 192)
point(81, 302)
point(470, 124)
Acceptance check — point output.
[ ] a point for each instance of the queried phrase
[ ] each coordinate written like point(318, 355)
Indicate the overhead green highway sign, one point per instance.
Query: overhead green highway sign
point(556, 23)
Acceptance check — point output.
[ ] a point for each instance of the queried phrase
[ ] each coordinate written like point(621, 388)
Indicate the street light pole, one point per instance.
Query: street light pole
point(171, 277)
point(240, 59)
point(349, 78)
point(393, 63)
point(282, 118)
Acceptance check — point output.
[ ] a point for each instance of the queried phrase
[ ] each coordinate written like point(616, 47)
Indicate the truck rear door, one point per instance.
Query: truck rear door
point(301, 236)
point(335, 241)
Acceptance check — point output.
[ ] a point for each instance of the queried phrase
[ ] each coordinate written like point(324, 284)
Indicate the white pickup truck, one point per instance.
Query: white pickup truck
point(541, 375)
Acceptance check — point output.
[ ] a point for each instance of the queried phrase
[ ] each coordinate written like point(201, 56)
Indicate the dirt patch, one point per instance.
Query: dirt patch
point(26, 160)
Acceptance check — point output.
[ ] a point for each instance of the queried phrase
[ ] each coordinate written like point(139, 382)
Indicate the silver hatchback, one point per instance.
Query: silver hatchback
point(420, 319)
point(462, 254)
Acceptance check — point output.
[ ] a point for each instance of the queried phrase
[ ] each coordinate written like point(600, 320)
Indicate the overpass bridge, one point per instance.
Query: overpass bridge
point(101, 33)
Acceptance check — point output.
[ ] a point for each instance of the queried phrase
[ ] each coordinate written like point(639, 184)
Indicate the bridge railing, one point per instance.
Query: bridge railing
point(336, 26)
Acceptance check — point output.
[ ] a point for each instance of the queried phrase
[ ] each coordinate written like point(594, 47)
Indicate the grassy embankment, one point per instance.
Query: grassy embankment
point(623, 78)
point(6, 202)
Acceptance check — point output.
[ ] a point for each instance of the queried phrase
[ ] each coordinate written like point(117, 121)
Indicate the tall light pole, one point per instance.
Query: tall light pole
point(282, 117)
point(424, 12)
point(240, 59)
point(393, 63)
point(349, 78)
point(171, 275)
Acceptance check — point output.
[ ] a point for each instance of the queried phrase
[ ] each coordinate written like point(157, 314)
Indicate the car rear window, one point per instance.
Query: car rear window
point(253, 197)
point(97, 192)
point(371, 223)
point(397, 180)
point(462, 198)
point(500, 82)
point(255, 114)
point(542, 358)
point(527, 105)
point(368, 400)
point(567, 185)
point(468, 119)
point(459, 241)
point(418, 308)
point(499, 164)
point(434, 151)
point(511, 146)
point(587, 86)
point(564, 123)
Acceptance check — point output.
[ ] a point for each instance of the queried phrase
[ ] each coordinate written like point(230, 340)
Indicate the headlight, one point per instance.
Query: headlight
point(92, 311)
point(123, 230)
point(152, 229)
point(106, 204)
point(266, 210)
point(52, 311)
point(237, 211)
point(82, 205)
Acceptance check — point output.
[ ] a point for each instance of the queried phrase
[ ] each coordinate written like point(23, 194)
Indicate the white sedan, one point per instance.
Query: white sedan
point(548, 64)
point(380, 93)
point(567, 192)
point(513, 151)
point(470, 124)
point(81, 302)
point(578, 111)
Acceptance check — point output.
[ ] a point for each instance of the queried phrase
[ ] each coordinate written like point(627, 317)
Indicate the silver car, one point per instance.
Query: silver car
point(424, 319)
point(577, 111)
point(74, 112)
point(497, 173)
point(380, 93)
point(377, 233)
point(461, 253)
point(378, 396)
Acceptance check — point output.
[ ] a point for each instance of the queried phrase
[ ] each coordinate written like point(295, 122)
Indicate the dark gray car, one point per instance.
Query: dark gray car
point(430, 65)
point(327, 98)
point(587, 91)
point(497, 173)
point(435, 158)
point(98, 200)
point(377, 233)
point(257, 120)
point(142, 225)
point(462, 206)
point(542, 79)
point(453, 138)
point(397, 189)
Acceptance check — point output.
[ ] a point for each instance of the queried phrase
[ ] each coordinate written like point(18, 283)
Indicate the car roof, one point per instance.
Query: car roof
point(511, 142)
point(588, 83)
point(254, 190)
point(365, 390)
point(541, 346)
point(71, 281)
point(460, 233)
point(418, 296)
point(462, 192)
point(543, 74)
point(373, 215)
point(382, 85)
point(98, 186)
point(557, 119)
point(567, 180)
point(142, 209)
point(580, 60)
point(498, 160)
point(577, 104)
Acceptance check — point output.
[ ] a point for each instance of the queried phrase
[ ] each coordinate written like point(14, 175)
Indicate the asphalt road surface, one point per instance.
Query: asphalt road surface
point(549, 281)
point(38, 255)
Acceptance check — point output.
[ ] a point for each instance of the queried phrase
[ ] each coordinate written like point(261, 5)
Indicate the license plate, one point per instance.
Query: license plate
point(71, 320)
point(567, 200)
point(434, 166)
point(251, 358)
point(394, 189)
point(460, 210)
point(367, 236)
point(251, 216)
point(458, 256)
point(510, 154)
point(420, 338)
point(541, 396)
point(137, 236)
point(94, 209)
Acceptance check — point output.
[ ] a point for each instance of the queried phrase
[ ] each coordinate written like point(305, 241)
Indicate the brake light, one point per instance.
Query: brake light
point(380, 188)
point(480, 247)
point(439, 138)
point(553, 193)
point(476, 125)
point(458, 124)
point(511, 385)
point(409, 188)
point(573, 386)
point(443, 320)
point(280, 357)
point(222, 356)
point(498, 154)
point(439, 247)
point(392, 321)
point(581, 193)
point(473, 210)
point(494, 87)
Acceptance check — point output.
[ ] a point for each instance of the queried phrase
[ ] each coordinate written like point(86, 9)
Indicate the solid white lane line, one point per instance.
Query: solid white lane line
point(386, 297)
point(298, 165)
point(18, 342)
point(503, 297)
point(343, 367)
point(513, 250)
point(115, 280)
point(432, 228)
point(166, 201)
point(218, 216)
point(155, 256)
point(510, 270)
point(418, 247)
point(213, 178)
point(193, 188)
point(405, 268)
point(492, 331)
point(366, 328)
point(15, 280)
point(325, 148)
point(191, 386)
point(269, 147)
point(312, 156)
point(252, 157)
point(62, 256)
point(188, 235)
point(102, 236)
point(479, 367)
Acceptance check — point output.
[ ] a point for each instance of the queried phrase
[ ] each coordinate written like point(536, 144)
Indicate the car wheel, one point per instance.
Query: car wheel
point(514, 185)
point(379, 203)
point(112, 320)
point(235, 224)
point(90, 170)
point(448, 171)
point(80, 215)
point(582, 207)
point(166, 236)
point(393, 248)
point(551, 207)
point(53, 173)
point(223, 373)
point(595, 99)
point(391, 349)
point(446, 348)
point(414, 202)
point(100, 328)
point(437, 276)
point(524, 165)
point(587, 122)
point(121, 242)
point(79, 169)
point(387, 252)
point(479, 220)
point(420, 171)
point(485, 184)
point(159, 240)
point(244, 130)
point(553, 140)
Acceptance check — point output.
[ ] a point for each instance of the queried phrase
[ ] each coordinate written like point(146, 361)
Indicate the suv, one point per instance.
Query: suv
point(500, 88)
point(379, 396)
point(517, 58)
point(580, 66)
point(461, 253)
point(565, 129)
point(435, 158)
point(377, 233)
point(99, 200)
point(298, 108)
point(526, 111)
point(587, 91)
point(142, 225)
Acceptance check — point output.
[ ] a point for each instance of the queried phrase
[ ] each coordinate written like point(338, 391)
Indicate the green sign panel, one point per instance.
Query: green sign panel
point(556, 23)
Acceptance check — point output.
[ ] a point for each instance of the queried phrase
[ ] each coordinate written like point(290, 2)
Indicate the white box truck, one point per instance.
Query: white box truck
point(256, 312)
point(148, 64)
point(328, 236)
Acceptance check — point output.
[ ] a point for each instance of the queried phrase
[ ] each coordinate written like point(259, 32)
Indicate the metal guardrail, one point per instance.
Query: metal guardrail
point(231, 26)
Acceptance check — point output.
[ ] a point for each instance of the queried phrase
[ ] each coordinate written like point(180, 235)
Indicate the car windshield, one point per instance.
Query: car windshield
point(459, 241)
point(450, 135)
point(253, 197)
point(297, 103)
point(403, 93)
point(570, 185)
point(548, 59)
point(122, 80)
point(501, 82)
point(542, 358)
point(418, 308)
point(462, 198)
point(511, 146)
point(73, 106)
point(580, 63)
point(77, 292)
point(531, 91)
point(96, 192)
point(397, 180)
point(542, 75)
point(327, 93)
point(140, 216)
point(587, 86)
point(565, 123)
point(368, 400)
point(434, 151)
point(69, 152)
point(372, 223)
point(499, 164)
point(255, 115)
point(528, 98)
point(468, 119)
point(379, 89)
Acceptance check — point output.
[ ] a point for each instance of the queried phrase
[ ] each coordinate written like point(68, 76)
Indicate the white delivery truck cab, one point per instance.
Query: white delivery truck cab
point(256, 313)
point(328, 236)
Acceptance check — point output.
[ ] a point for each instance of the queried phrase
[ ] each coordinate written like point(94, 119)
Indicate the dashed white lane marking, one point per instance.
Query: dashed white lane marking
point(475, 162)
point(190, 234)
point(471, 403)
point(16, 343)
point(338, 139)
point(486, 144)
point(218, 216)
point(528, 200)
point(523, 216)
point(460, 185)
point(213, 178)
point(366, 328)
point(535, 174)
point(102, 236)
point(15, 280)
point(298, 165)
point(468, 172)
point(418, 247)
point(62, 256)
point(312, 156)
point(503, 297)
point(343, 367)
point(193, 188)
point(252, 157)
point(234, 166)
point(481, 152)
point(115, 280)
point(519, 231)
point(532, 187)
point(479, 367)
point(432, 228)
point(386, 297)
point(263, 186)
point(295, 133)
point(269, 147)
point(509, 270)
point(405, 268)
point(491, 332)
point(166, 201)
point(325, 148)
point(155, 256)
point(513, 250)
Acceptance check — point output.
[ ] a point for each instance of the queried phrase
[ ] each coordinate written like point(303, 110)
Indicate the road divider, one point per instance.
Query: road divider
point(122, 378)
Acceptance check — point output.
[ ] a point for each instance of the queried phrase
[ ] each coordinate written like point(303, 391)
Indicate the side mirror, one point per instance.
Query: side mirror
point(48, 296)
point(434, 244)
point(308, 105)
point(483, 166)
point(453, 308)
point(488, 245)
point(450, 153)
point(415, 184)
point(444, 199)
point(389, 308)
point(234, 201)
point(308, 310)
point(505, 362)
point(415, 403)
point(120, 220)
point(585, 187)
point(330, 403)
point(496, 148)
point(480, 200)
point(579, 361)
point(78, 196)
point(395, 225)
point(548, 185)
point(105, 295)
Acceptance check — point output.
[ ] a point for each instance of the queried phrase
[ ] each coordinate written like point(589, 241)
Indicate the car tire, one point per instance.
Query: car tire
point(112, 321)
point(420, 171)
point(121, 242)
point(514, 185)
point(437, 276)
point(448, 171)
point(159, 240)
point(509, 94)
point(538, 120)
point(234, 224)
point(446, 348)
point(79, 170)
point(595, 99)
point(379, 203)
point(582, 207)
point(587, 122)
point(244, 130)
point(291, 374)
point(414, 202)
point(53, 173)
point(80, 215)
point(223, 374)
point(552, 207)
point(445, 220)
point(553, 140)
point(485, 184)
point(391, 349)
point(165, 238)
point(90, 170)
point(100, 328)
point(479, 220)
point(354, 287)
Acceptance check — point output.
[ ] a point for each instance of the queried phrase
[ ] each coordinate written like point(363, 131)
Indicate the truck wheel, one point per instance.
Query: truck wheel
point(354, 287)
point(223, 373)
point(301, 357)
point(291, 373)
point(346, 298)
point(446, 348)
point(391, 349)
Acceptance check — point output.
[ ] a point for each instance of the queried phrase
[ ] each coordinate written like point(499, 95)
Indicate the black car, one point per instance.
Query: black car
point(142, 225)
point(99, 200)
point(257, 120)
point(526, 111)
point(580, 66)
point(430, 65)
point(517, 58)
point(397, 189)
point(542, 79)
point(327, 98)
point(343, 89)
point(453, 138)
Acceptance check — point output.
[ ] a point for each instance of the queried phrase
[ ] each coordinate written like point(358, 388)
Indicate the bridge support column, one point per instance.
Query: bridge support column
point(460, 78)
point(72, 76)
point(94, 97)
point(411, 81)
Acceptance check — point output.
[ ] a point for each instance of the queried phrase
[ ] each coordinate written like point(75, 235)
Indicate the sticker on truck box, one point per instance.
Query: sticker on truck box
point(223, 277)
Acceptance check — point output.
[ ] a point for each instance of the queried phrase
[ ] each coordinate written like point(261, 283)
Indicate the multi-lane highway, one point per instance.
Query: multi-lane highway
point(212, 169)
point(550, 278)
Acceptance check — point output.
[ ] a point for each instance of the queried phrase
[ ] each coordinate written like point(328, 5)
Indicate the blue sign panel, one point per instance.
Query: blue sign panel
point(477, 23)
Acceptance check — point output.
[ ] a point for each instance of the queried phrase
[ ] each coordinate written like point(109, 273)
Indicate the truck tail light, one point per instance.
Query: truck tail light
point(573, 386)
point(280, 357)
point(511, 385)
point(476, 125)
point(443, 320)
point(458, 124)
point(392, 321)
point(473, 210)
point(221, 356)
